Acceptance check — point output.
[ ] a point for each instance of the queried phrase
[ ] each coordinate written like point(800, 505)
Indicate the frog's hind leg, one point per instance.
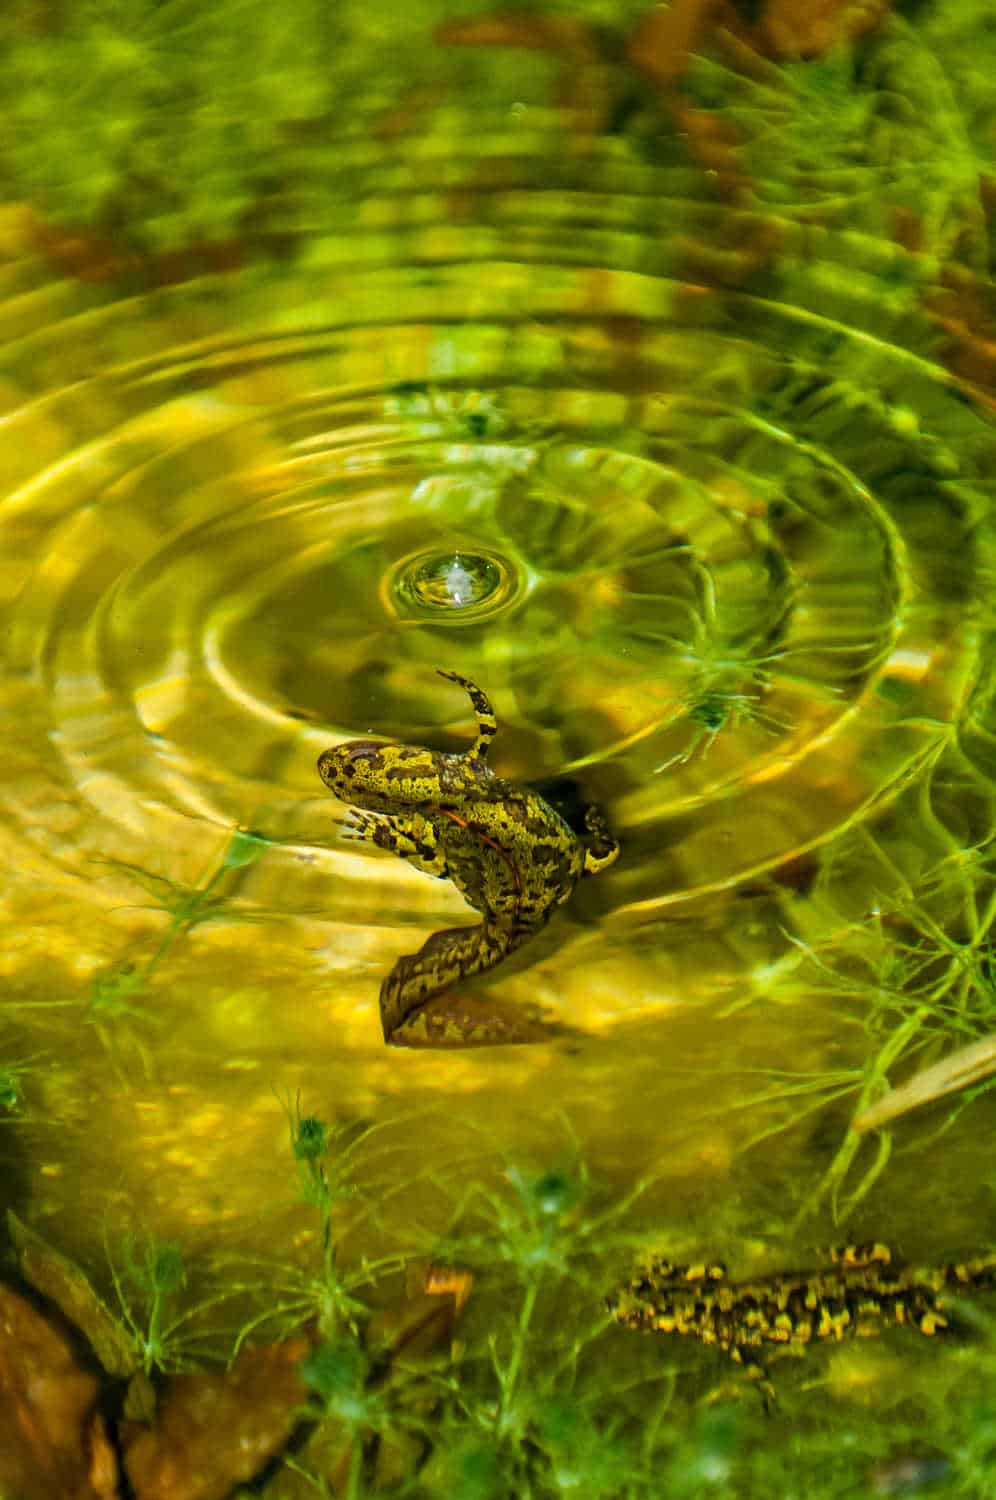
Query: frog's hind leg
point(487, 724)
point(443, 960)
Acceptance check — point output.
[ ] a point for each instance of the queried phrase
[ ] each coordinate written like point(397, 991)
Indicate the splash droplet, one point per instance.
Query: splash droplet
point(458, 586)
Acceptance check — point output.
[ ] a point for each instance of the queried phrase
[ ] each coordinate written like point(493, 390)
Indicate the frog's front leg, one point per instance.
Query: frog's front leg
point(411, 839)
point(444, 959)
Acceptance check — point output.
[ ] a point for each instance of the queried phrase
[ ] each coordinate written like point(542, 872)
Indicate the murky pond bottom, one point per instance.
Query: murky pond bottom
point(649, 385)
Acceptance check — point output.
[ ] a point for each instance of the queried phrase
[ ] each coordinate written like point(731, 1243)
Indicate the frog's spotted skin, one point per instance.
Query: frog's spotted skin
point(860, 1292)
point(511, 856)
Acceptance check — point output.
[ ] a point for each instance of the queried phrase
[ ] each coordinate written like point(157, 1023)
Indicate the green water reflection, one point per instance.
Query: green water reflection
point(656, 396)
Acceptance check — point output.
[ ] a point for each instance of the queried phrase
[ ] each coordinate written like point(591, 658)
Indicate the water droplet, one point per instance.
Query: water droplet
point(455, 585)
point(452, 582)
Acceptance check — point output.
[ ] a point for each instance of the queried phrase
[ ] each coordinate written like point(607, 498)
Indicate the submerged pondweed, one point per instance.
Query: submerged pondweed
point(286, 1293)
point(187, 907)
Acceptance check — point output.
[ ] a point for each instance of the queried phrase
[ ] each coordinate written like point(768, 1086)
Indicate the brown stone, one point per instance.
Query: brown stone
point(52, 1443)
point(216, 1429)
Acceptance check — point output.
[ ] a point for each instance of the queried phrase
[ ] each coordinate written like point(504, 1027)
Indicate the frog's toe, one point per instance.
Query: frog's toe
point(357, 825)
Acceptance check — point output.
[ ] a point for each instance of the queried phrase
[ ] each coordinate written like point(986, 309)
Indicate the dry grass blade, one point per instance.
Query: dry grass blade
point(960, 1070)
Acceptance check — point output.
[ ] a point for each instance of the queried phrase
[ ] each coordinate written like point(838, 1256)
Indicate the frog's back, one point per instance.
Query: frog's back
point(512, 856)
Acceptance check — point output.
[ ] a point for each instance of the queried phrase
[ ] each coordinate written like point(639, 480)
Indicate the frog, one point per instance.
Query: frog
point(512, 857)
point(859, 1291)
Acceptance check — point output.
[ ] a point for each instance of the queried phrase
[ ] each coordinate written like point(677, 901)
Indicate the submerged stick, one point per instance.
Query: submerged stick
point(959, 1070)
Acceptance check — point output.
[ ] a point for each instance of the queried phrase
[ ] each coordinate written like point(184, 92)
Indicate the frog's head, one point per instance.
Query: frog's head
point(377, 776)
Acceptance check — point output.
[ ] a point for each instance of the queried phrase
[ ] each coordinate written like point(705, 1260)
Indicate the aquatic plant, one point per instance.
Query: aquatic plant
point(868, 130)
point(581, 1420)
point(351, 1408)
point(114, 989)
point(327, 1159)
point(102, 103)
point(337, 1372)
point(520, 1406)
point(926, 982)
point(548, 1408)
point(13, 1076)
point(723, 668)
point(148, 1332)
point(912, 973)
point(457, 416)
point(963, 42)
point(147, 1284)
point(713, 709)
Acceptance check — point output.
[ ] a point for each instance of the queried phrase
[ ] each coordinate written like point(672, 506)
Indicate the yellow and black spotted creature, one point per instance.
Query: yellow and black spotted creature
point(509, 853)
point(861, 1291)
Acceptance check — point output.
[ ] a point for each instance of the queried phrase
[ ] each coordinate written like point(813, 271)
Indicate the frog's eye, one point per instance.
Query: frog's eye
point(353, 755)
point(343, 761)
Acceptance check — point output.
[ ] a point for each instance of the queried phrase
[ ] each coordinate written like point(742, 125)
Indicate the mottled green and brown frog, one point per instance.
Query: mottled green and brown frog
point(861, 1291)
point(511, 855)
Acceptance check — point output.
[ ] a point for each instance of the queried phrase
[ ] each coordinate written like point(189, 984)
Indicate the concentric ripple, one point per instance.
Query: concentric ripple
point(451, 587)
point(711, 543)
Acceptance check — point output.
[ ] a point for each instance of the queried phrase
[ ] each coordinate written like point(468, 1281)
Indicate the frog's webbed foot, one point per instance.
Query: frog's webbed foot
point(361, 826)
point(411, 839)
point(601, 849)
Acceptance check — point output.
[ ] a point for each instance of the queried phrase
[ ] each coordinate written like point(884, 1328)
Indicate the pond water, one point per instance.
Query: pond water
point(639, 367)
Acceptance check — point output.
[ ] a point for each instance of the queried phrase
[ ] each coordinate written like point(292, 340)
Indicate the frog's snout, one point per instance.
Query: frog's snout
point(338, 767)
